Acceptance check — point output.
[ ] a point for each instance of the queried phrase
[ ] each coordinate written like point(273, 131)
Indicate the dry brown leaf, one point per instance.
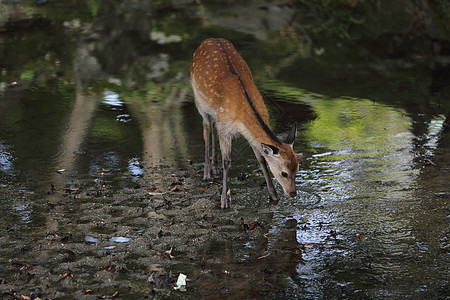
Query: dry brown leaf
point(173, 189)
point(252, 225)
point(68, 274)
point(203, 262)
point(264, 256)
point(107, 268)
point(25, 267)
point(360, 236)
point(168, 253)
point(430, 161)
point(71, 252)
point(243, 226)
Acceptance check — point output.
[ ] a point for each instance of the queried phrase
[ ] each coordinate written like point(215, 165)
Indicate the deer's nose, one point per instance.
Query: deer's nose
point(292, 194)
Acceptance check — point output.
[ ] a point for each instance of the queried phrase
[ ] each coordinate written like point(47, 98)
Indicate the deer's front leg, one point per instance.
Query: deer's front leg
point(225, 148)
point(270, 187)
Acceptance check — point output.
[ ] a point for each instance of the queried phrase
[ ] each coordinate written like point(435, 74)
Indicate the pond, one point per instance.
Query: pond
point(101, 158)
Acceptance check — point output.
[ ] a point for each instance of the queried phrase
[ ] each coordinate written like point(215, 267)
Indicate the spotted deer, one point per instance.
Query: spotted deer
point(226, 97)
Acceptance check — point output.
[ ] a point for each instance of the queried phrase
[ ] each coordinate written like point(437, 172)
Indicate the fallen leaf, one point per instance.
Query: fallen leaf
point(70, 252)
point(244, 226)
point(25, 267)
point(113, 296)
point(107, 268)
point(22, 297)
point(252, 225)
point(173, 189)
point(203, 262)
point(264, 256)
point(360, 236)
point(430, 161)
point(88, 292)
point(68, 274)
point(169, 253)
point(205, 188)
point(306, 246)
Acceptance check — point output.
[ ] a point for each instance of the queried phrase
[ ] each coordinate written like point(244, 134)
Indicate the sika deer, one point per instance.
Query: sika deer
point(226, 96)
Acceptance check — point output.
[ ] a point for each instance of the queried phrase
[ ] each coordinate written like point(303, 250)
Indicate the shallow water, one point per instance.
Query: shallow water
point(363, 205)
point(370, 219)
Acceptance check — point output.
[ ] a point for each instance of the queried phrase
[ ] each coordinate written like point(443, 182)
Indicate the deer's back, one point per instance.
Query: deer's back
point(224, 84)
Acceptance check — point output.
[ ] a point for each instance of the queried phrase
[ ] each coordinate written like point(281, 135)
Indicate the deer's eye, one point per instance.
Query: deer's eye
point(284, 174)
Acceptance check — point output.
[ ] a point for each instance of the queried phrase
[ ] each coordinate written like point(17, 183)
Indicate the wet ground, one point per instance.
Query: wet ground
point(102, 193)
point(370, 220)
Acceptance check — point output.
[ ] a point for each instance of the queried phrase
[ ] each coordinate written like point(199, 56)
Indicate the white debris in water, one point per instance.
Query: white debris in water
point(112, 98)
point(161, 38)
point(181, 282)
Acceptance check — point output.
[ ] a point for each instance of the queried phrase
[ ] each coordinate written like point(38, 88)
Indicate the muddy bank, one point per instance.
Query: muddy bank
point(134, 239)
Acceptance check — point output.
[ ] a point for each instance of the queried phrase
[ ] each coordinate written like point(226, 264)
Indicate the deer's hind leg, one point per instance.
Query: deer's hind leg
point(206, 137)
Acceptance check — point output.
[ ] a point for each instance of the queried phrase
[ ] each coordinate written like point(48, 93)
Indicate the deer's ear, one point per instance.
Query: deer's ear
point(291, 136)
point(299, 156)
point(269, 149)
